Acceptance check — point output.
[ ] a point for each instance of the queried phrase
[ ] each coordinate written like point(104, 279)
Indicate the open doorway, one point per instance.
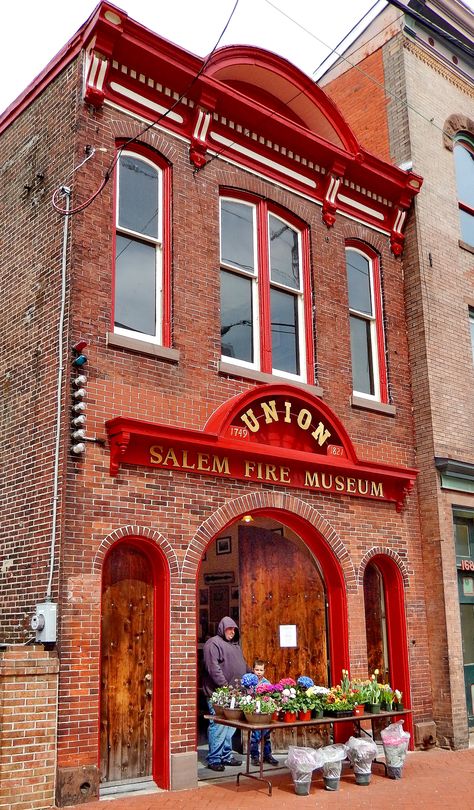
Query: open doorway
point(264, 576)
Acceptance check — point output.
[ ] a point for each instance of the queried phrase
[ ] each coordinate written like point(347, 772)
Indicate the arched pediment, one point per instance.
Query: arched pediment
point(282, 88)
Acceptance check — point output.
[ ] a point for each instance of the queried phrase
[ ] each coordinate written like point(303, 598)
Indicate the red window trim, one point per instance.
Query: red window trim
point(374, 259)
point(165, 168)
point(263, 208)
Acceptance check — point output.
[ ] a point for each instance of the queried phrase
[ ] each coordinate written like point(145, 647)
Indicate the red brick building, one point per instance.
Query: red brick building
point(413, 71)
point(213, 238)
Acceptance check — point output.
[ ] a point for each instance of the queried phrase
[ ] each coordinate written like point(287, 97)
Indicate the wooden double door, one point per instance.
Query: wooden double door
point(126, 720)
point(280, 584)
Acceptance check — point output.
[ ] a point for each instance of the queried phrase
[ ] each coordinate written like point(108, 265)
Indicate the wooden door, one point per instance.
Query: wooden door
point(281, 584)
point(127, 666)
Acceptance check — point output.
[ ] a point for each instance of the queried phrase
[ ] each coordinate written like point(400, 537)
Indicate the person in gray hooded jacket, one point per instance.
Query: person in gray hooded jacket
point(224, 664)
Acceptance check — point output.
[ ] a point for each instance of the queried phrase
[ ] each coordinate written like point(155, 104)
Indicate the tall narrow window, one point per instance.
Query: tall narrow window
point(265, 289)
point(464, 163)
point(139, 287)
point(366, 328)
point(471, 327)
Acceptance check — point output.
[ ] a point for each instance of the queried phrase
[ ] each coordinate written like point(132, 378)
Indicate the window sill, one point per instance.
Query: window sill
point(466, 246)
point(142, 347)
point(371, 405)
point(260, 376)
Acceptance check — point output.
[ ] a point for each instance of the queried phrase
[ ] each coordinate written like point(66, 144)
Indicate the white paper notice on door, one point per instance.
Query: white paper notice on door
point(288, 635)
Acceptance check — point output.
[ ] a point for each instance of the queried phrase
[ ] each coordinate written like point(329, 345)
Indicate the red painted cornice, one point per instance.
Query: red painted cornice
point(230, 110)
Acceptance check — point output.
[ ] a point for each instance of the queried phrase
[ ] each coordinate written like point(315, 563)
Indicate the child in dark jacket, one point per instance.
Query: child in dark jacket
point(256, 736)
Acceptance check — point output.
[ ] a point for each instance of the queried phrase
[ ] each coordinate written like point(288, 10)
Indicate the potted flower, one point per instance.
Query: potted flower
point(258, 709)
point(360, 696)
point(219, 699)
point(230, 702)
point(317, 698)
point(289, 702)
point(386, 697)
point(338, 703)
point(397, 700)
point(305, 704)
point(374, 693)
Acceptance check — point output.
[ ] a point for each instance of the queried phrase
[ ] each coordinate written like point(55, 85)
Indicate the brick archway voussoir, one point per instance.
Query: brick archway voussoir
point(387, 552)
point(234, 509)
point(137, 532)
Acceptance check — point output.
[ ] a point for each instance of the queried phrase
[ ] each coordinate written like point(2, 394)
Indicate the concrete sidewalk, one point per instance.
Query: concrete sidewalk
point(437, 779)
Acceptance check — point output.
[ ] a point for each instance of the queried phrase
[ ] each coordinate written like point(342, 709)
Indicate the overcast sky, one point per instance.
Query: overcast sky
point(33, 31)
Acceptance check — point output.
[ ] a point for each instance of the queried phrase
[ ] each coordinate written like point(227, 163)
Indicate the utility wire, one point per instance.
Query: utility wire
point(348, 35)
point(108, 173)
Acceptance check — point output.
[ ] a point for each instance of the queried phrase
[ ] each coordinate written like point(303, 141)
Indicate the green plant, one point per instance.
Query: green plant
point(262, 704)
point(338, 700)
point(316, 696)
point(224, 695)
point(388, 694)
point(374, 691)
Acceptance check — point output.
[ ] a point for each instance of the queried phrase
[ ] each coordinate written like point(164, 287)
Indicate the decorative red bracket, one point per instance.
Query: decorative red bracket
point(202, 121)
point(118, 446)
point(334, 180)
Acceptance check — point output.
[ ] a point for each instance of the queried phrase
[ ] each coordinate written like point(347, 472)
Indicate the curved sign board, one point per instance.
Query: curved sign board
point(275, 434)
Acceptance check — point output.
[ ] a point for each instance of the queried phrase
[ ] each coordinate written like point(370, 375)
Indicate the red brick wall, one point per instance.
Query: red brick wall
point(28, 707)
point(360, 95)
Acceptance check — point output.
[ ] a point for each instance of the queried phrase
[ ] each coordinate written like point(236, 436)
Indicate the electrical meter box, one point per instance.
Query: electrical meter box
point(44, 622)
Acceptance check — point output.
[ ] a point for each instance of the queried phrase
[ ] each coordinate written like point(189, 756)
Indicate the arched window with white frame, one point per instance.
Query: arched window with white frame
point(369, 373)
point(265, 289)
point(464, 166)
point(141, 286)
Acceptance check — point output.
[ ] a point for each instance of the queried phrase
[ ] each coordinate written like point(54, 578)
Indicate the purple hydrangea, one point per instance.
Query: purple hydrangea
point(305, 682)
point(249, 680)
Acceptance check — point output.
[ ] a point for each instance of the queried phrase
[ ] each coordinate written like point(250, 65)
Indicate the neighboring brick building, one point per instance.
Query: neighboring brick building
point(423, 61)
point(238, 291)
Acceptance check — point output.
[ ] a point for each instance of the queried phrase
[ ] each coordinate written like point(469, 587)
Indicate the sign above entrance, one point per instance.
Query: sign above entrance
point(275, 434)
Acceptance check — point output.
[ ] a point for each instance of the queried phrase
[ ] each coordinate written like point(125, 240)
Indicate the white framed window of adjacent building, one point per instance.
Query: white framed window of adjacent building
point(471, 327)
point(369, 369)
point(141, 280)
point(266, 321)
point(464, 166)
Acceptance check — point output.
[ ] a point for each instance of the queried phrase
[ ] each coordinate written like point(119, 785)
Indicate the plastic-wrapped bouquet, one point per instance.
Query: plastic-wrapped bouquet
point(361, 753)
point(332, 767)
point(302, 762)
point(395, 745)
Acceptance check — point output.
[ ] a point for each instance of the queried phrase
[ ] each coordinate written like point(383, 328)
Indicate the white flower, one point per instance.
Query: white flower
point(286, 692)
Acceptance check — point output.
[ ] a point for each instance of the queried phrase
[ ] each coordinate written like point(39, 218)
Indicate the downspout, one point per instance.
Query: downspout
point(67, 194)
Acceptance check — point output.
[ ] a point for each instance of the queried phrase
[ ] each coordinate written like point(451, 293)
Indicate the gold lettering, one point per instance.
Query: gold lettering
point(311, 479)
point(287, 412)
point(321, 434)
point(259, 471)
point(339, 481)
point(351, 483)
point(249, 419)
point(324, 483)
point(270, 474)
point(203, 461)
point(377, 489)
point(156, 454)
point(285, 475)
point(171, 456)
point(187, 466)
point(359, 486)
point(269, 411)
point(220, 465)
point(249, 469)
point(304, 419)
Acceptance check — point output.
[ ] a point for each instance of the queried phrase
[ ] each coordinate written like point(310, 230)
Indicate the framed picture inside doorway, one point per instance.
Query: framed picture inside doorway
point(218, 602)
point(223, 545)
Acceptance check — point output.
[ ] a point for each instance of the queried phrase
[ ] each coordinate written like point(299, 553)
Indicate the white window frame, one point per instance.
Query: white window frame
point(299, 295)
point(255, 278)
point(372, 319)
point(156, 243)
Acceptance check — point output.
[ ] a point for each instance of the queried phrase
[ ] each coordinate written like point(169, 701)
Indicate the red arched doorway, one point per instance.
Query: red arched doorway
point(332, 576)
point(134, 721)
point(384, 600)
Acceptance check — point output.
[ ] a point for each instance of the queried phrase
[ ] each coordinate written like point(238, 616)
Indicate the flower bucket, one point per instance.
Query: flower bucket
point(359, 710)
point(275, 717)
point(386, 706)
point(397, 707)
point(316, 714)
point(233, 714)
point(362, 778)
point(290, 717)
point(302, 788)
point(373, 708)
point(258, 718)
point(304, 715)
point(219, 710)
point(331, 783)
